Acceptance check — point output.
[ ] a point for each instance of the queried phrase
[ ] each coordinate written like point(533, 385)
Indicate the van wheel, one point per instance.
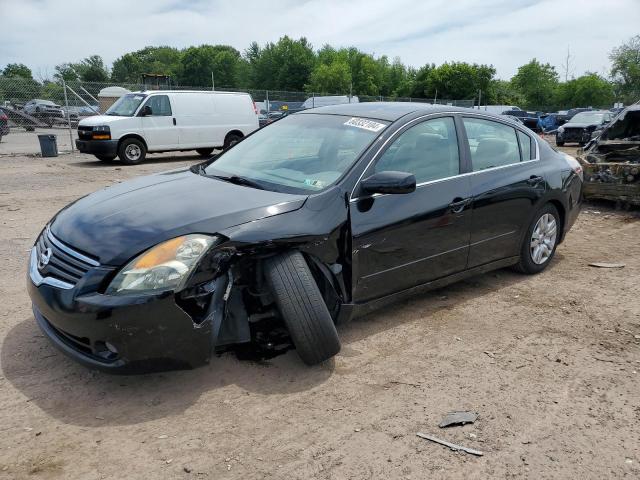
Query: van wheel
point(302, 307)
point(204, 152)
point(230, 140)
point(132, 151)
point(106, 158)
point(540, 242)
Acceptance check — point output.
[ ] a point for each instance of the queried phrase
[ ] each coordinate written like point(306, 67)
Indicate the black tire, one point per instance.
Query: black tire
point(106, 158)
point(302, 307)
point(204, 152)
point(526, 263)
point(559, 143)
point(126, 149)
point(230, 140)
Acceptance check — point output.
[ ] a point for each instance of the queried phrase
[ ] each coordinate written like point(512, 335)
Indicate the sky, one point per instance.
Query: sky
point(503, 33)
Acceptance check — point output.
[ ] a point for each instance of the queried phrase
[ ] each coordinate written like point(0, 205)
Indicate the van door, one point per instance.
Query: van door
point(196, 118)
point(160, 126)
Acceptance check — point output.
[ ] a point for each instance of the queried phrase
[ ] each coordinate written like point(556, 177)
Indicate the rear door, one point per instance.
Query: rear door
point(506, 184)
point(400, 241)
point(160, 128)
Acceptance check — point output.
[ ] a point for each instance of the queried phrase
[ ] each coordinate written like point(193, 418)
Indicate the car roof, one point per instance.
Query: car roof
point(389, 111)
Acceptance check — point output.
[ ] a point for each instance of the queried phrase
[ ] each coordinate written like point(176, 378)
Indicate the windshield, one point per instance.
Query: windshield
point(126, 105)
point(588, 117)
point(303, 153)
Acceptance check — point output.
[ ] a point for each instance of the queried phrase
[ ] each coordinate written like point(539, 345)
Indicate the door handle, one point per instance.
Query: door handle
point(174, 121)
point(534, 180)
point(459, 204)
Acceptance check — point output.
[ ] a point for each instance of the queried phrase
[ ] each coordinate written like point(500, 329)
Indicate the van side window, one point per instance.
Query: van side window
point(492, 144)
point(160, 105)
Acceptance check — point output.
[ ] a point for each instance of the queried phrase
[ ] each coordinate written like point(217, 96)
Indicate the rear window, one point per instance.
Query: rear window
point(492, 144)
point(526, 146)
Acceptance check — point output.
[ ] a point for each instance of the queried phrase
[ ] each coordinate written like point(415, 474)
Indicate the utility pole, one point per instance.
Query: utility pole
point(567, 65)
point(66, 104)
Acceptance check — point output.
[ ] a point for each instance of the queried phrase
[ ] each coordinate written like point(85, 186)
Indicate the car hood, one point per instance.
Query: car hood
point(119, 222)
point(100, 120)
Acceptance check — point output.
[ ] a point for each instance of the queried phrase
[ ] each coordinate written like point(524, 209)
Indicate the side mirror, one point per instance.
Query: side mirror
point(389, 182)
point(146, 111)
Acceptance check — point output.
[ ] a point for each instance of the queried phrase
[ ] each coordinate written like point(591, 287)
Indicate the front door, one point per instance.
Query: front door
point(404, 240)
point(160, 129)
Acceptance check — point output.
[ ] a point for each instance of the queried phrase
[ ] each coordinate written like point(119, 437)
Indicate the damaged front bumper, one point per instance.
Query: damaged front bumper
point(123, 334)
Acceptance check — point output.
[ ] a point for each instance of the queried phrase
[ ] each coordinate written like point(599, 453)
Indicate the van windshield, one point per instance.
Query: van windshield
point(126, 105)
point(303, 153)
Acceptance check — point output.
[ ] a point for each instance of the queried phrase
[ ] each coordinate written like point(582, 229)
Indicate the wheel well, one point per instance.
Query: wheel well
point(562, 213)
point(234, 132)
point(132, 135)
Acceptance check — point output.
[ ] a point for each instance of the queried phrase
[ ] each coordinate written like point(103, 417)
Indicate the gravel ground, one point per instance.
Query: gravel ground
point(549, 362)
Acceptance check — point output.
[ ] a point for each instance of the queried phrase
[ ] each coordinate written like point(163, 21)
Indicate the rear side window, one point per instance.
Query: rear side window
point(492, 144)
point(526, 146)
point(160, 105)
point(428, 150)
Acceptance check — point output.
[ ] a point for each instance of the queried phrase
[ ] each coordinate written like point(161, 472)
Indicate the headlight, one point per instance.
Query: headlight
point(101, 128)
point(165, 267)
point(560, 129)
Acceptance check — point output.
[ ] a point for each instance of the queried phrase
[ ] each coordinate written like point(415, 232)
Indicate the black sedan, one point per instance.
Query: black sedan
point(581, 126)
point(528, 118)
point(306, 223)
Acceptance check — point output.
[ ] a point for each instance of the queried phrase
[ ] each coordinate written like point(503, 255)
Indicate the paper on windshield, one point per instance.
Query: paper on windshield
point(365, 124)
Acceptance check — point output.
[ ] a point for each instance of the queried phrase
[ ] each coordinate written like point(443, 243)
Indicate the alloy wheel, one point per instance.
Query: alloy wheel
point(543, 239)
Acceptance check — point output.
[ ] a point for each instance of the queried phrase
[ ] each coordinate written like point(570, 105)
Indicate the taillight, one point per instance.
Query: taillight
point(3, 117)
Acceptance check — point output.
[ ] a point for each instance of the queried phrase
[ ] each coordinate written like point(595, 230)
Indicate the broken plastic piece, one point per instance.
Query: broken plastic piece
point(458, 418)
point(452, 446)
point(607, 265)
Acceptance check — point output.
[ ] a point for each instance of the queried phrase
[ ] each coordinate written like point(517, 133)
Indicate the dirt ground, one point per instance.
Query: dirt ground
point(550, 362)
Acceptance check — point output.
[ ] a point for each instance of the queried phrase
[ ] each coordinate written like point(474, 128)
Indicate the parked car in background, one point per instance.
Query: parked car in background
point(530, 119)
point(44, 110)
point(315, 102)
point(4, 124)
point(323, 216)
point(579, 128)
point(77, 113)
point(165, 120)
point(496, 109)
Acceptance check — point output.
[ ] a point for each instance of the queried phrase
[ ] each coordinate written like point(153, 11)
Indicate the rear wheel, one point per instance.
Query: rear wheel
point(540, 242)
point(302, 307)
point(106, 158)
point(204, 152)
point(559, 143)
point(132, 151)
point(230, 140)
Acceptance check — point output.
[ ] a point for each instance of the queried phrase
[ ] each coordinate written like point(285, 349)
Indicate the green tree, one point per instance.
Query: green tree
point(91, 69)
point(66, 72)
point(332, 78)
point(197, 64)
point(156, 60)
point(588, 90)
point(537, 83)
point(17, 70)
point(459, 80)
point(284, 65)
point(625, 69)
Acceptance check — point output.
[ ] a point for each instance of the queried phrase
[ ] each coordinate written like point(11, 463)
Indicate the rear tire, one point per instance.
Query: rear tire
point(132, 151)
point(204, 152)
point(559, 143)
point(230, 140)
point(302, 307)
point(106, 158)
point(540, 242)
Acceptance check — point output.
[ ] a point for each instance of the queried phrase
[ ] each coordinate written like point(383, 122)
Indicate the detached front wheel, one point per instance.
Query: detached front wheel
point(302, 307)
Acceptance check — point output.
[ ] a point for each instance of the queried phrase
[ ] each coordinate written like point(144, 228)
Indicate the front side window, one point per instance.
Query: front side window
point(302, 153)
point(492, 144)
point(160, 106)
point(428, 150)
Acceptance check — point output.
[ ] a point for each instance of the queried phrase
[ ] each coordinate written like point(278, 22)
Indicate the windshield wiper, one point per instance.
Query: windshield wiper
point(238, 180)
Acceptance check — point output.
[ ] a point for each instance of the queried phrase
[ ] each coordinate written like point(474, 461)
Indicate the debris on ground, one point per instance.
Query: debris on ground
point(452, 446)
point(607, 265)
point(458, 418)
point(489, 354)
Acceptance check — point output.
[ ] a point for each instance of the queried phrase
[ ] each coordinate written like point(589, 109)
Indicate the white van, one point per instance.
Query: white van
point(165, 120)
